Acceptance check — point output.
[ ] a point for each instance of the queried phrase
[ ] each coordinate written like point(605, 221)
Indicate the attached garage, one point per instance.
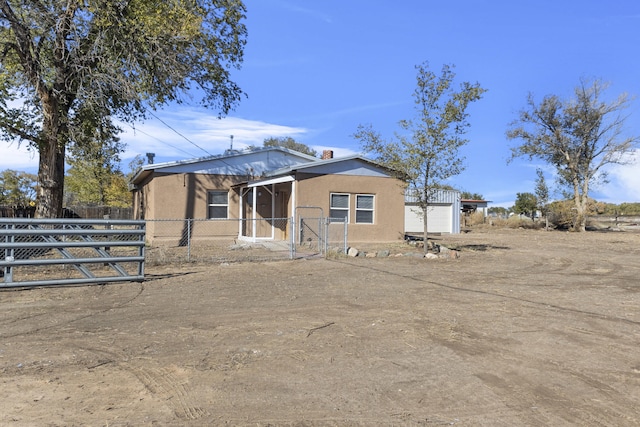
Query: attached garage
point(443, 214)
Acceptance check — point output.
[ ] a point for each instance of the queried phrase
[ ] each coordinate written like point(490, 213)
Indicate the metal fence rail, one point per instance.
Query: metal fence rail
point(39, 252)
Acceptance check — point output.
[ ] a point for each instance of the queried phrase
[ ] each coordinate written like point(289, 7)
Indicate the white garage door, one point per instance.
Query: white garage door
point(439, 220)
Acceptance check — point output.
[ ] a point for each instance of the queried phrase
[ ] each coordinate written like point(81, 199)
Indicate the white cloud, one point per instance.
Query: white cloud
point(167, 138)
point(624, 183)
point(337, 152)
point(189, 133)
point(17, 157)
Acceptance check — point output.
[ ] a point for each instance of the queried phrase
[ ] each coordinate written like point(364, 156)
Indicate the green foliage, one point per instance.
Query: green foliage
point(628, 209)
point(68, 67)
point(541, 190)
point(526, 204)
point(290, 143)
point(466, 195)
point(94, 168)
point(498, 210)
point(17, 188)
point(578, 137)
point(425, 152)
point(613, 209)
point(562, 214)
point(542, 195)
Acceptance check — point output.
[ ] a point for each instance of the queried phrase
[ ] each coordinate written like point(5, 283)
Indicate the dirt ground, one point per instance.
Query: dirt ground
point(526, 328)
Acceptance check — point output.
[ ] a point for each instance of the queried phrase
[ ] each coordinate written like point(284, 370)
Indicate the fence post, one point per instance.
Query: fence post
point(346, 231)
point(292, 238)
point(9, 256)
point(141, 250)
point(327, 224)
point(189, 239)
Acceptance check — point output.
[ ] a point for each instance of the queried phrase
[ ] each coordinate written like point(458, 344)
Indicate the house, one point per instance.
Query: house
point(246, 191)
point(443, 213)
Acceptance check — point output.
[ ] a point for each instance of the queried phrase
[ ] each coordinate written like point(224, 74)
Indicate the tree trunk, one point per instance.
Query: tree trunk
point(580, 223)
point(51, 162)
point(50, 180)
point(425, 234)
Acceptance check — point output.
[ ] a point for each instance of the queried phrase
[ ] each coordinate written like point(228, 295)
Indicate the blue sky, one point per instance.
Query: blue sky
point(315, 70)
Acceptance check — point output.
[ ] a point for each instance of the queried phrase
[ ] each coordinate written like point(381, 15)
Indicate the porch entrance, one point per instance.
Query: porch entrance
point(265, 208)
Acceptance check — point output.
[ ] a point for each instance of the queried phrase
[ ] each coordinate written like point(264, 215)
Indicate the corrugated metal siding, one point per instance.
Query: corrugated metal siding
point(439, 197)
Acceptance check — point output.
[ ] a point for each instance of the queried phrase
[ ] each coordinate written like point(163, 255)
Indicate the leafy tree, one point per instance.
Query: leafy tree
point(526, 203)
point(94, 169)
point(290, 143)
point(425, 152)
point(577, 136)
point(466, 195)
point(67, 65)
point(498, 210)
point(629, 209)
point(542, 196)
point(117, 194)
point(562, 214)
point(17, 188)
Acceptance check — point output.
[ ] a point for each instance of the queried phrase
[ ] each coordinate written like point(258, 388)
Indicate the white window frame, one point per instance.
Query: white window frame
point(210, 205)
point(347, 209)
point(372, 209)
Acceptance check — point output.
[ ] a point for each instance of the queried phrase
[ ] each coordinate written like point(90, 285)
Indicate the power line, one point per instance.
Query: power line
point(159, 140)
point(178, 133)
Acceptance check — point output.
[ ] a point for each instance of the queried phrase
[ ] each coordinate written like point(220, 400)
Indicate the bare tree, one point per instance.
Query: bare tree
point(578, 136)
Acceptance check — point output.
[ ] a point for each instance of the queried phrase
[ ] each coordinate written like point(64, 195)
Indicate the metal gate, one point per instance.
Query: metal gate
point(40, 252)
point(318, 234)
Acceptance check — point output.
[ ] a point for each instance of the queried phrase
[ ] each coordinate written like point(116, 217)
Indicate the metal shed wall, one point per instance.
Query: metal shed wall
point(444, 213)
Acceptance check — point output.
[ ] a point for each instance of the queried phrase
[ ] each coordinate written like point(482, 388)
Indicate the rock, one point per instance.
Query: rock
point(434, 247)
point(450, 253)
point(383, 253)
point(370, 255)
point(353, 252)
point(414, 254)
point(431, 256)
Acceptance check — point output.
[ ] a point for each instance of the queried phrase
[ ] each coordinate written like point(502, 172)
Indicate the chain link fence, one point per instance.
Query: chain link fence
point(218, 240)
point(234, 240)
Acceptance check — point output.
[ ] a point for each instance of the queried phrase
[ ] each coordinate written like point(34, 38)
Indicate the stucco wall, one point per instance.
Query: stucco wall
point(313, 190)
point(180, 196)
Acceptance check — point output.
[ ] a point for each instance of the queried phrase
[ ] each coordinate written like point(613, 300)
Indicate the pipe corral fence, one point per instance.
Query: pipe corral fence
point(41, 252)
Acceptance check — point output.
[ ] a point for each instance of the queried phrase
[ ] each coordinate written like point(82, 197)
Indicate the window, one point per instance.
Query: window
point(217, 204)
point(339, 206)
point(364, 209)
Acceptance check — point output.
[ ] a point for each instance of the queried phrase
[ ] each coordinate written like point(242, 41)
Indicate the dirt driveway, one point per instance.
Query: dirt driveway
point(526, 328)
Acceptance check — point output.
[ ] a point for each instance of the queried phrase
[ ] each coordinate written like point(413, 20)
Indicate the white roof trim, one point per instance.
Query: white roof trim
point(278, 180)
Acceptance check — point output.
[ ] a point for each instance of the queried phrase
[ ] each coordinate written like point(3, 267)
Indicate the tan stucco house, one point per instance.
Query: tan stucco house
point(244, 191)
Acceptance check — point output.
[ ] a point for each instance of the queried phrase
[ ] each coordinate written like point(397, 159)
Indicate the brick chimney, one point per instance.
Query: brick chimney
point(327, 154)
